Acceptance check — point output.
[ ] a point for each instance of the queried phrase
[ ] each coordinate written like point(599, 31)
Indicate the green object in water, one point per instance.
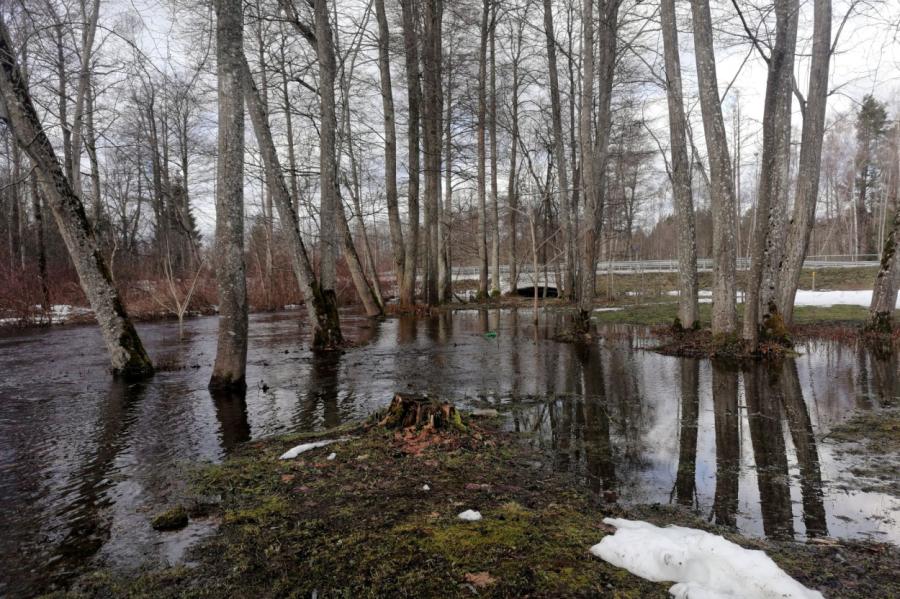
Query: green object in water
point(490, 335)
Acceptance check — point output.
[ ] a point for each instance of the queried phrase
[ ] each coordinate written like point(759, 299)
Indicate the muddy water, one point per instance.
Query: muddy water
point(86, 461)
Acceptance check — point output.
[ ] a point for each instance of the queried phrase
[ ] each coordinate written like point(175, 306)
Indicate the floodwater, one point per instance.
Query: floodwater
point(86, 461)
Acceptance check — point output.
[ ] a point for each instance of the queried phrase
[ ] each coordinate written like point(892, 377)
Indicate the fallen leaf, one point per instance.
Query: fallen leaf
point(480, 579)
point(286, 478)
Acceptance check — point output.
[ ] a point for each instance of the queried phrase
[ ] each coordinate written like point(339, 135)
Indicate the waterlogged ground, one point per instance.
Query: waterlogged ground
point(85, 462)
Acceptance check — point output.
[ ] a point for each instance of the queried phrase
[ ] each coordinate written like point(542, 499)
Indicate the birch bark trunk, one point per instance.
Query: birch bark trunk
point(127, 355)
point(480, 135)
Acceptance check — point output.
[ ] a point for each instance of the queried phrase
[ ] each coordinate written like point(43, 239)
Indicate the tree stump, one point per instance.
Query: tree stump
point(421, 412)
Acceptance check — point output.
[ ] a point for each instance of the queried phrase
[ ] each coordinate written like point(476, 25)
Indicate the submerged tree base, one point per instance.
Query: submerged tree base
point(380, 521)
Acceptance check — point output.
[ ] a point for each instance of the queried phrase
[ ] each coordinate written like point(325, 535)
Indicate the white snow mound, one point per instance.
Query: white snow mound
point(470, 516)
point(703, 565)
point(293, 452)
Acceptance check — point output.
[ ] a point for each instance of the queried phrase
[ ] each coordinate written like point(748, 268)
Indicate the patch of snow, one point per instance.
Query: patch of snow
point(703, 565)
point(295, 451)
point(426, 487)
point(616, 309)
point(808, 297)
point(331, 456)
point(470, 516)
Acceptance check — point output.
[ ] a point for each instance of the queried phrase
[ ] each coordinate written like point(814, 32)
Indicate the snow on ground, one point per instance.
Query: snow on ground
point(703, 565)
point(295, 451)
point(807, 297)
point(470, 516)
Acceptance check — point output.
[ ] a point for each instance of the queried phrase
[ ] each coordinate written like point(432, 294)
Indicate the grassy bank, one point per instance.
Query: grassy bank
point(664, 313)
point(363, 524)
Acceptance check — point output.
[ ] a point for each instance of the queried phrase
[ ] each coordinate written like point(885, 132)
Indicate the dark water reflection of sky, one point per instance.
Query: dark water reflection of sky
point(85, 460)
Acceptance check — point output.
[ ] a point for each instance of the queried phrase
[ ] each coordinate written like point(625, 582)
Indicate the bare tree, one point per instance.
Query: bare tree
point(482, 160)
point(229, 370)
point(390, 141)
point(680, 175)
point(724, 317)
point(432, 113)
point(410, 17)
point(808, 172)
point(127, 354)
point(774, 175)
point(559, 149)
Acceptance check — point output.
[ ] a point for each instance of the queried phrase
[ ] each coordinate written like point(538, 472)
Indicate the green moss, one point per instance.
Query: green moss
point(172, 519)
point(366, 528)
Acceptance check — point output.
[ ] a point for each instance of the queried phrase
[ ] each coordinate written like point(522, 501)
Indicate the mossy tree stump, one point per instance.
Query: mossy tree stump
point(421, 412)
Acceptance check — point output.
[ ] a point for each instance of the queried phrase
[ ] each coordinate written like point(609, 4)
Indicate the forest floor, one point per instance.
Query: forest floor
point(365, 524)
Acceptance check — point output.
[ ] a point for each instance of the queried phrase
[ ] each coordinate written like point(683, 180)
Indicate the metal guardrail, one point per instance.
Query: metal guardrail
point(703, 265)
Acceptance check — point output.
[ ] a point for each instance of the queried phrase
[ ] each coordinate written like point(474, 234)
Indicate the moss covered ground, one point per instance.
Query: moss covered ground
point(363, 524)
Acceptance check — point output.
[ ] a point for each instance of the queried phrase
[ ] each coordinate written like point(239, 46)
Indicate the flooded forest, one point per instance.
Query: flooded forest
point(388, 298)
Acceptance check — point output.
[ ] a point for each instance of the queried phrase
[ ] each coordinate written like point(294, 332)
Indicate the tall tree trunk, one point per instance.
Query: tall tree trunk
point(334, 228)
point(432, 114)
point(688, 308)
point(390, 141)
point(127, 354)
point(492, 124)
point(321, 309)
point(559, 147)
point(807, 190)
point(724, 317)
point(774, 175)
point(230, 368)
point(88, 33)
point(512, 191)
point(589, 186)
point(445, 274)
point(328, 210)
point(480, 135)
point(410, 15)
point(594, 151)
point(40, 247)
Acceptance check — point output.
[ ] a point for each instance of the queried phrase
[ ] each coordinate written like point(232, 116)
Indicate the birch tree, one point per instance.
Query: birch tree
point(127, 355)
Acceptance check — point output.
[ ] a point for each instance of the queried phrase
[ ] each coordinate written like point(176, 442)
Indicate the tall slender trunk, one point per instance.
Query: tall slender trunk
point(492, 125)
point(88, 34)
point(559, 147)
point(688, 308)
point(127, 354)
point(320, 308)
point(774, 175)
point(328, 191)
point(432, 114)
point(230, 368)
point(390, 141)
point(884, 290)
point(445, 288)
point(410, 14)
point(512, 191)
point(480, 135)
point(595, 151)
point(334, 228)
point(588, 177)
point(724, 317)
point(807, 190)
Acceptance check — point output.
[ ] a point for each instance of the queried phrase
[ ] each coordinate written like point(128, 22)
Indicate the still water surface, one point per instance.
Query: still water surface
point(85, 461)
